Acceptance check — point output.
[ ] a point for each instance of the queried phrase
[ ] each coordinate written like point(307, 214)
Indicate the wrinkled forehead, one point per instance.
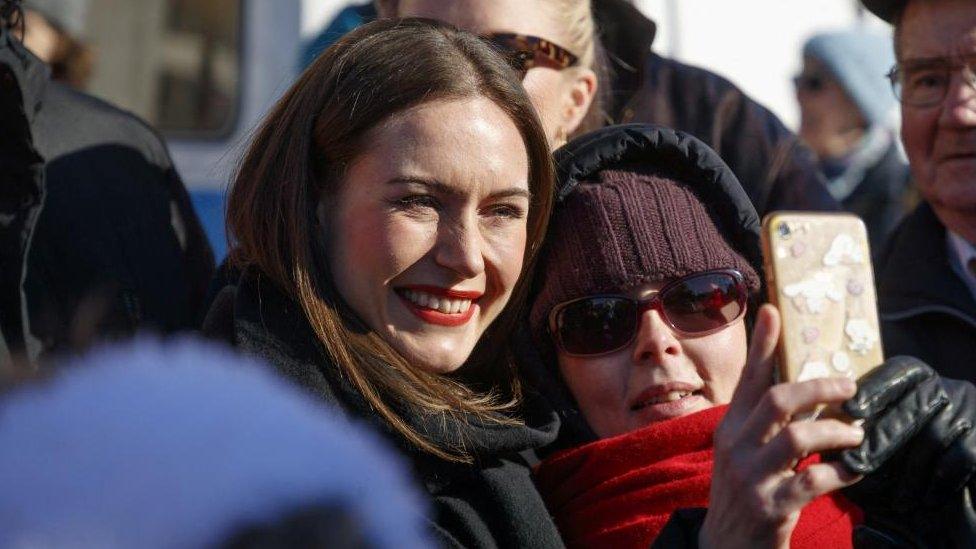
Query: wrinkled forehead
point(530, 17)
point(932, 29)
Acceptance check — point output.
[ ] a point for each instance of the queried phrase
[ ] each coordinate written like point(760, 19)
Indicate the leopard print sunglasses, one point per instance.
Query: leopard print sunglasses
point(524, 52)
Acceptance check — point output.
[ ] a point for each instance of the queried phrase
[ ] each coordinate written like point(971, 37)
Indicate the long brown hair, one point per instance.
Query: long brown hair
point(301, 152)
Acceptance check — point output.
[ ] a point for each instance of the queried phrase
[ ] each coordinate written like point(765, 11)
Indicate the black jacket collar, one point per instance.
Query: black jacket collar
point(31, 73)
point(915, 274)
point(626, 36)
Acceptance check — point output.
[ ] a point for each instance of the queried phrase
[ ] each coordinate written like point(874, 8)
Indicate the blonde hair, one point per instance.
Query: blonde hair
point(584, 41)
point(577, 16)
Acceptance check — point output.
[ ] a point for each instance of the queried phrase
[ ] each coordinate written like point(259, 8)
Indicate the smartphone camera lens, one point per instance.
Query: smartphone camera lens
point(784, 230)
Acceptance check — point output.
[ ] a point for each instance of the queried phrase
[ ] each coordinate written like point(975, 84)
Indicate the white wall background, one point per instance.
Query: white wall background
point(754, 43)
point(316, 14)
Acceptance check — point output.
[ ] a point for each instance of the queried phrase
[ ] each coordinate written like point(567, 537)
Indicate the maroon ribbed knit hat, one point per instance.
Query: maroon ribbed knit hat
point(628, 228)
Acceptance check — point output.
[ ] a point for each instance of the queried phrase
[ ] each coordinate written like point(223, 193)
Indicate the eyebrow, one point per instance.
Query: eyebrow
point(923, 62)
point(441, 187)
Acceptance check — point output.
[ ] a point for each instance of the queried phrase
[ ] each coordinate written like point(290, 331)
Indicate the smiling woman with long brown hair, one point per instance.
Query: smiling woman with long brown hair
point(383, 219)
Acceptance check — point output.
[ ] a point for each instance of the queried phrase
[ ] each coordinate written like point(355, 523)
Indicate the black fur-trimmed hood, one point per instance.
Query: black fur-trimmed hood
point(672, 153)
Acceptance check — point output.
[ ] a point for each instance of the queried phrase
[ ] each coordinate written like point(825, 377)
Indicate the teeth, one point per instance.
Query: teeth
point(441, 304)
point(667, 397)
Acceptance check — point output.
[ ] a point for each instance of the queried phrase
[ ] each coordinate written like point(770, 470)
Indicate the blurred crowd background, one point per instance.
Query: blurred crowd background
point(203, 73)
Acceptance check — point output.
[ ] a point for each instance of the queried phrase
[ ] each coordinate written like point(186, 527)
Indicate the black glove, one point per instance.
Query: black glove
point(918, 454)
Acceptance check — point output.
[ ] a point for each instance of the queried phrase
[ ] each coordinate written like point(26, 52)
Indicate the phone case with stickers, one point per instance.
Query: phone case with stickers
point(819, 276)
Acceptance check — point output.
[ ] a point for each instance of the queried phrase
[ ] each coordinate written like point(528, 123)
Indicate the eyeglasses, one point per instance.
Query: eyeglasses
point(809, 82)
point(925, 82)
point(524, 52)
point(697, 304)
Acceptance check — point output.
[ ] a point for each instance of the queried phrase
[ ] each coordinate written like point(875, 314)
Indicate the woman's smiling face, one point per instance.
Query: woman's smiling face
point(427, 231)
point(659, 376)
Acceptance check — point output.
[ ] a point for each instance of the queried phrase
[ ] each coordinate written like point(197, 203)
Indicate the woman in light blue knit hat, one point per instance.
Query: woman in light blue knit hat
point(848, 117)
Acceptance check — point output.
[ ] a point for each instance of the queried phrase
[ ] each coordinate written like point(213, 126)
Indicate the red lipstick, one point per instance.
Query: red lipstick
point(434, 316)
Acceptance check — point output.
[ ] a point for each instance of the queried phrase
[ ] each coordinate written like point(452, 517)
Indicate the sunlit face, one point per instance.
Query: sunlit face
point(556, 95)
point(427, 232)
point(941, 140)
point(40, 37)
point(661, 375)
point(830, 122)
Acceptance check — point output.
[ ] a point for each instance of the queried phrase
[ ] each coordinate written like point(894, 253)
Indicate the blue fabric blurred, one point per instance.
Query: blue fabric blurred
point(859, 60)
point(349, 18)
point(181, 444)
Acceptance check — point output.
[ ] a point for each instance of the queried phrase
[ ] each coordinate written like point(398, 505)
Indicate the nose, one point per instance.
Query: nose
point(959, 107)
point(655, 340)
point(460, 247)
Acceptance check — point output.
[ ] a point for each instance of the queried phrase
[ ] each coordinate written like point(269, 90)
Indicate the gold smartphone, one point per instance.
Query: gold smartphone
point(819, 276)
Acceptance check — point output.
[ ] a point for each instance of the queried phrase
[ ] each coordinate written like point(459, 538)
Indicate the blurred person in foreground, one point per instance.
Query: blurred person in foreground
point(153, 444)
point(98, 235)
point(589, 64)
point(927, 275)
point(847, 117)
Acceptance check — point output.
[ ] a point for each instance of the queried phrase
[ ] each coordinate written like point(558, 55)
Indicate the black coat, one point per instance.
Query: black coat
point(777, 172)
point(927, 311)
point(21, 184)
point(491, 503)
point(116, 245)
point(881, 198)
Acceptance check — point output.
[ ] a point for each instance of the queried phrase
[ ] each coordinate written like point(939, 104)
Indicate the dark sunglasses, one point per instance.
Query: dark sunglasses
point(694, 305)
point(524, 52)
point(810, 82)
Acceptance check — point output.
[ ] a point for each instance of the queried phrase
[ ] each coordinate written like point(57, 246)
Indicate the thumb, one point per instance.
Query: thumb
point(757, 375)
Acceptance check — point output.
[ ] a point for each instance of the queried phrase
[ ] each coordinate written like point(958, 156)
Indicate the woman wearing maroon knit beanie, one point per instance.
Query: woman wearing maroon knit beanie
point(672, 431)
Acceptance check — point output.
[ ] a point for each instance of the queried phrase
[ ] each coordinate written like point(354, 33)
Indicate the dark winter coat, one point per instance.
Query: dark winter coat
point(881, 198)
point(491, 503)
point(777, 172)
point(116, 245)
point(21, 183)
point(927, 311)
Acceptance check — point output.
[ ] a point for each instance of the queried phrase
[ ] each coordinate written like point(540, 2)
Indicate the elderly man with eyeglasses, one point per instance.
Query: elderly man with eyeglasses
point(927, 275)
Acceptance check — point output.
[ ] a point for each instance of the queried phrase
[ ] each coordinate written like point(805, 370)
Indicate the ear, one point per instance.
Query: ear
point(577, 100)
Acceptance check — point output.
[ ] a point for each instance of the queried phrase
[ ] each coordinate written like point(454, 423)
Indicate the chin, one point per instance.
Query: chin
point(435, 357)
point(956, 191)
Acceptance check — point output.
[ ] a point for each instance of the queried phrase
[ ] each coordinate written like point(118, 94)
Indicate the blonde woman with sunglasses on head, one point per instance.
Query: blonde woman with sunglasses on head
point(589, 63)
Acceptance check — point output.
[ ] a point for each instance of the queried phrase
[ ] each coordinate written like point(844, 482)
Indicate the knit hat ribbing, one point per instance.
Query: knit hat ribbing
point(626, 228)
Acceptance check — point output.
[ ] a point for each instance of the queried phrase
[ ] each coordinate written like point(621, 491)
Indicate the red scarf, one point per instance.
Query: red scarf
point(620, 492)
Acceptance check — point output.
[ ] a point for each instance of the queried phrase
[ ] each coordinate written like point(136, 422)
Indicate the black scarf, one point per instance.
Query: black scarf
point(489, 503)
